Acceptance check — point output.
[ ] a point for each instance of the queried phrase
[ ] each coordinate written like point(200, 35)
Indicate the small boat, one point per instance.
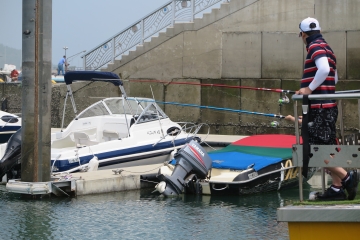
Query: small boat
point(111, 131)
point(6, 73)
point(58, 78)
point(253, 164)
point(9, 124)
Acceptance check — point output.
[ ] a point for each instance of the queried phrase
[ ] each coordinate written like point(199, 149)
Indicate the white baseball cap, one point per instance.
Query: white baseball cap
point(309, 24)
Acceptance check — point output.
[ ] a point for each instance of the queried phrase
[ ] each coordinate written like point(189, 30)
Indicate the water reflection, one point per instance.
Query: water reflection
point(142, 214)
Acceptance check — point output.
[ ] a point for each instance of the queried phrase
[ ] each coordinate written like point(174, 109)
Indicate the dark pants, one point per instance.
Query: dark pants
point(322, 126)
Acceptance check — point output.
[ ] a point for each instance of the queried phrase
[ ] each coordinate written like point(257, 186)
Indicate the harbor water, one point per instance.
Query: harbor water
point(145, 215)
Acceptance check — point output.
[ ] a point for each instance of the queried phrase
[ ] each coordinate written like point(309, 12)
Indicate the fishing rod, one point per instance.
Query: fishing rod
point(278, 90)
point(216, 85)
point(281, 101)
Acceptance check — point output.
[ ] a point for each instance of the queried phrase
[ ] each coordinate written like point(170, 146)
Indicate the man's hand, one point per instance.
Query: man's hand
point(290, 118)
point(304, 91)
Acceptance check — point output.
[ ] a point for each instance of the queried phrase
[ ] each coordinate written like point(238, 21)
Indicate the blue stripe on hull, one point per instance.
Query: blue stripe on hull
point(64, 165)
point(4, 137)
point(7, 128)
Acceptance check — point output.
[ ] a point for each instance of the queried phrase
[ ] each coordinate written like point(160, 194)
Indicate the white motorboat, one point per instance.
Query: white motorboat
point(114, 130)
point(110, 131)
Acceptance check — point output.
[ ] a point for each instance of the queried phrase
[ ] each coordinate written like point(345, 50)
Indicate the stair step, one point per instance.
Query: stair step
point(225, 9)
point(180, 27)
point(169, 31)
point(238, 5)
point(199, 23)
point(125, 58)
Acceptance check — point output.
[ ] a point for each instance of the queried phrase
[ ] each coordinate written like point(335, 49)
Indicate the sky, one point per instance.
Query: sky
point(77, 24)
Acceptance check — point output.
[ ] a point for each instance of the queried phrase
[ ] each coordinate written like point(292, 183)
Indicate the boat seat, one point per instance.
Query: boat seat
point(110, 135)
point(82, 139)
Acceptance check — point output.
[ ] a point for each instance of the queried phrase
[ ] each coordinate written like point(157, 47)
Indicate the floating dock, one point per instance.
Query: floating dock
point(321, 222)
point(85, 183)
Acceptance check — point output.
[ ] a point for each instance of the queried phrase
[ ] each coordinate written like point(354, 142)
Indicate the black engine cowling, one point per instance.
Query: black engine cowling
point(12, 157)
point(192, 162)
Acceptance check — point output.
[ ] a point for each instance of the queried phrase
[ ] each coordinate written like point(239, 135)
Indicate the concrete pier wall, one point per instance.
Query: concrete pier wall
point(243, 43)
point(85, 94)
point(250, 43)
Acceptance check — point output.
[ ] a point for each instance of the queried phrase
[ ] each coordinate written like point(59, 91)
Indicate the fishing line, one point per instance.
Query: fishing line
point(221, 109)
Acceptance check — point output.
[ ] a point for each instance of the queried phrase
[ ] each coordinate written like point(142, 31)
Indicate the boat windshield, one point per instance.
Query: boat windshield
point(147, 109)
point(116, 106)
point(95, 110)
point(145, 102)
point(151, 113)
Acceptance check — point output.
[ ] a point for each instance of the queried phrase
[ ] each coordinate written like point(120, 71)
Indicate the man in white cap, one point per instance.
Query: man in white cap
point(320, 77)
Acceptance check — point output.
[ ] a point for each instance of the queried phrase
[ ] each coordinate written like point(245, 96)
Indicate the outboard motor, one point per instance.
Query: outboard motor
point(12, 157)
point(192, 163)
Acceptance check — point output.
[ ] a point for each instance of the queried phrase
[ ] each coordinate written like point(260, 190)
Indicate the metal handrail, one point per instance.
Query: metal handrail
point(136, 33)
point(321, 97)
point(297, 97)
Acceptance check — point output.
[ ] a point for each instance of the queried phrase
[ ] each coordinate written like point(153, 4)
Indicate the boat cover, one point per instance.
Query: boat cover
point(92, 76)
point(256, 151)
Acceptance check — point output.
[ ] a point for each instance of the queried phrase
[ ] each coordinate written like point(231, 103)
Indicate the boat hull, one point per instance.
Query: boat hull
point(262, 185)
point(139, 155)
point(250, 181)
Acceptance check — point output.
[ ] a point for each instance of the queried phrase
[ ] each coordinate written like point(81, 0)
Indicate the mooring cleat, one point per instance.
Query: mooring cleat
point(117, 171)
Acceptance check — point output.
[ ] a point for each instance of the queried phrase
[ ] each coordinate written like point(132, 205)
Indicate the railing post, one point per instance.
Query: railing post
point(142, 31)
point(192, 10)
point(297, 134)
point(113, 51)
point(340, 107)
point(173, 13)
point(323, 180)
point(84, 63)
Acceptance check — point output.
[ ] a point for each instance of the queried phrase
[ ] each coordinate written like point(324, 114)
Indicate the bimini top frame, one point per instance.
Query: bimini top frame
point(93, 76)
point(347, 156)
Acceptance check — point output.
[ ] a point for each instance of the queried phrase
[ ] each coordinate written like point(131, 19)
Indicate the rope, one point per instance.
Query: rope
point(291, 173)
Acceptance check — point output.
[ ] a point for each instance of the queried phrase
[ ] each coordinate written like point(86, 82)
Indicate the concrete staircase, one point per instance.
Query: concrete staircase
point(216, 14)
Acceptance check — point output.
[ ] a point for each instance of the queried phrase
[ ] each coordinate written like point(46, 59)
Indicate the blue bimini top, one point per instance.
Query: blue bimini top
point(111, 77)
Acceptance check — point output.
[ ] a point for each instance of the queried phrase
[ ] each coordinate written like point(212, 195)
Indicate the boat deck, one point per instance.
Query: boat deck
point(211, 139)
